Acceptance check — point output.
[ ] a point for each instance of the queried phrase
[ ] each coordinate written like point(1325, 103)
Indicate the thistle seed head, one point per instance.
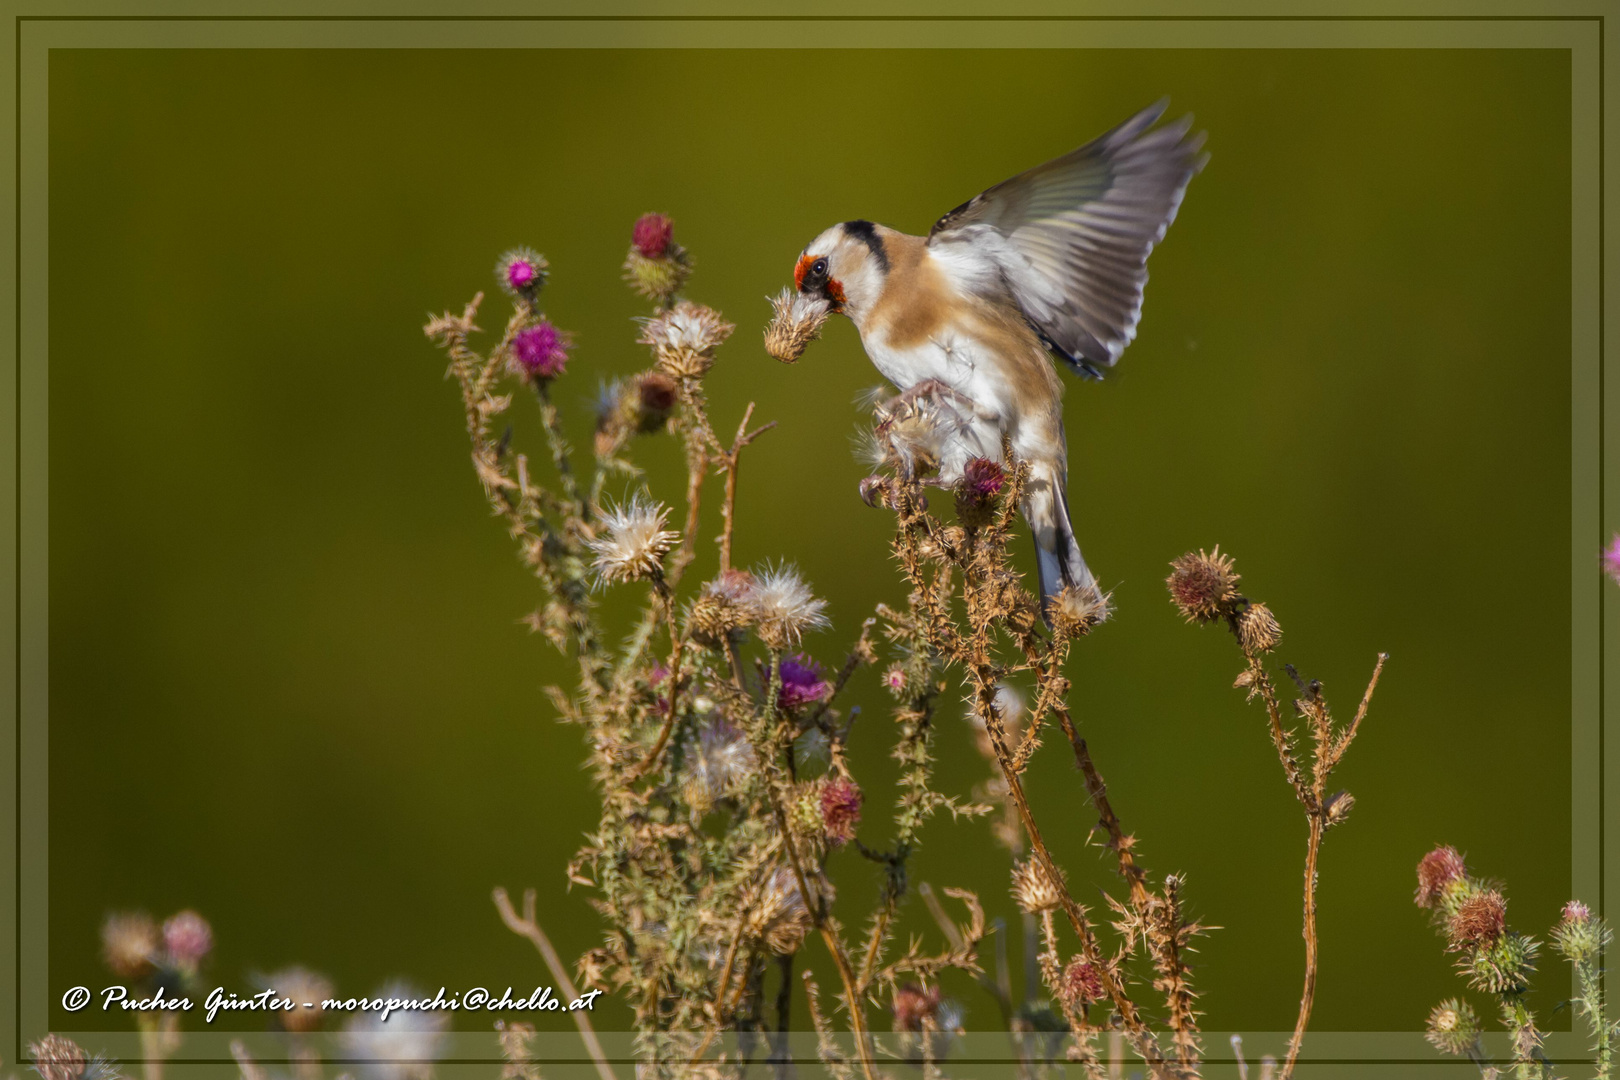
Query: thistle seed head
point(1033, 888)
point(1479, 921)
point(719, 760)
point(306, 990)
point(1437, 873)
point(914, 1007)
point(796, 321)
point(1337, 807)
point(57, 1057)
point(1257, 629)
point(840, 809)
point(1453, 1027)
point(781, 918)
point(912, 435)
point(782, 607)
point(684, 338)
point(1082, 984)
point(1203, 587)
point(188, 938)
point(1077, 608)
point(632, 541)
point(130, 943)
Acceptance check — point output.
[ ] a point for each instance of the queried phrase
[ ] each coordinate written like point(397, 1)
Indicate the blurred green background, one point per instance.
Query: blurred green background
point(288, 684)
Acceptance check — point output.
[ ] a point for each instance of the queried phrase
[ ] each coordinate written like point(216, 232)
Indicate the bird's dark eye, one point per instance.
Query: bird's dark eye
point(819, 268)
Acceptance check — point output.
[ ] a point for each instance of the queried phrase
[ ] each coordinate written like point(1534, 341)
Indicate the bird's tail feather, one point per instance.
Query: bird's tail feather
point(1058, 562)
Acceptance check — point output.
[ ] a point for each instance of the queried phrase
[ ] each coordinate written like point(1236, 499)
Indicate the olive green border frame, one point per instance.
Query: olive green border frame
point(28, 33)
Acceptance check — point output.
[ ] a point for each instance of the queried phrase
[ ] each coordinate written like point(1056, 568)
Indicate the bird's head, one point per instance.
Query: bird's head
point(844, 266)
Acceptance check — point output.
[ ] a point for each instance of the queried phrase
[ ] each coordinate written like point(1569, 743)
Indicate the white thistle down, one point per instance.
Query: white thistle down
point(783, 607)
point(633, 541)
point(684, 337)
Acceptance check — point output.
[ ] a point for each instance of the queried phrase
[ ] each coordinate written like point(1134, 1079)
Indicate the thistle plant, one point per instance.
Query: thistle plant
point(1470, 915)
point(718, 731)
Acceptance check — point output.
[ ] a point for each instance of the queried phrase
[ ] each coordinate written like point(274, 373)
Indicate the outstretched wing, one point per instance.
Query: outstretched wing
point(1071, 237)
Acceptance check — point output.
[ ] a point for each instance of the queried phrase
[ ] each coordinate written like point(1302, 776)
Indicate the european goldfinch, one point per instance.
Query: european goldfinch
point(1052, 260)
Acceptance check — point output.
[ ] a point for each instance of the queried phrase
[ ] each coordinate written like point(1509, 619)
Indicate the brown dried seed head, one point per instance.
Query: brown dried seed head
point(914, 1006)
point(796, 321)
point(1076, 609)
point(1338, 807)
point(1033, 888)
point(57, 1057)
point(1479, 920)
point(129, 943)
point(1082, 983)
point(1258, 629)
point(1202, 586)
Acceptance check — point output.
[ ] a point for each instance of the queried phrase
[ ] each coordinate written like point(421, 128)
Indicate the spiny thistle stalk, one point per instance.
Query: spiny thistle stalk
point(1204, 588)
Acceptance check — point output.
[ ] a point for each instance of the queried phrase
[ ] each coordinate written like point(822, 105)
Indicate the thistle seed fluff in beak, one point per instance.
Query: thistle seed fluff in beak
point(796, 323)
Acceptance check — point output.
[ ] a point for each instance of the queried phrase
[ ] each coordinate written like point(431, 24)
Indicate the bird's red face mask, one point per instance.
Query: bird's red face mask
point(811, 277)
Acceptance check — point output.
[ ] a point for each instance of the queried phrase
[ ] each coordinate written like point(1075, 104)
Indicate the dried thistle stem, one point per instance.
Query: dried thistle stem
point(527, 925)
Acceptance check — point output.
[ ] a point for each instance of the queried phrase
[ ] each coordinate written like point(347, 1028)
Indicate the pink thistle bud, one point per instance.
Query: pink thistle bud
point(521, 272)
point(1479, 920)
point(1082, 983)
point(894, 679)
point(652, 235)
point(188, 938)
point(840, 809)
point(913, 1005)
point(1576, 913)
point(1611, 558)
point(1437, 871)
point(540, 351)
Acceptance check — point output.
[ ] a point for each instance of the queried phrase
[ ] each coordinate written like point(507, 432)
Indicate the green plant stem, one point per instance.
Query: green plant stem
point(1591, 1005)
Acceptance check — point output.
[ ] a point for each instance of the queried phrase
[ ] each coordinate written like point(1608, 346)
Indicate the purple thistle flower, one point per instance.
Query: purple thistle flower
point(521, 274)
point(652, 235)
point(1611, 558)
point(802, 683)
point(541, 350)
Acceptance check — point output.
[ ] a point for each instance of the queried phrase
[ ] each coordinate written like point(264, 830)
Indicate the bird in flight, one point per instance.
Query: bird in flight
point(1050, 261)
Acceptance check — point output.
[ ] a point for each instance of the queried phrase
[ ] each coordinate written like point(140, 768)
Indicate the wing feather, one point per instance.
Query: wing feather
point(1072, 237)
